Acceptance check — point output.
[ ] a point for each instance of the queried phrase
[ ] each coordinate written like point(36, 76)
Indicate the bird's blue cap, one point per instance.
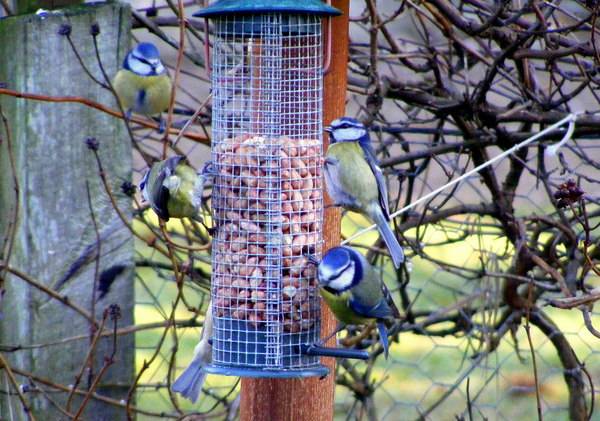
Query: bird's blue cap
point(349, 121)
point(144, 52)
point(147, 50)
point(337, 257)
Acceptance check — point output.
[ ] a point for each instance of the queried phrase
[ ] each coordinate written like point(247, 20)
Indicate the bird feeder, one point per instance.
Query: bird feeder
point(267, 66)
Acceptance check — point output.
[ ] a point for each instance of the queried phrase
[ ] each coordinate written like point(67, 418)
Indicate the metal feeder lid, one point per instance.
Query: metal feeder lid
point(250, 7)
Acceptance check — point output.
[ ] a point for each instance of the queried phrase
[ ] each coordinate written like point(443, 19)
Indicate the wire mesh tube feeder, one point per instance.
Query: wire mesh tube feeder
point(267, 67)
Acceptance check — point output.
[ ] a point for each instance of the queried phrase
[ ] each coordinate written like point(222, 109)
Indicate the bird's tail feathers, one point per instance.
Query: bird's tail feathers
point(383, 337)
point(189, 383)
point(389, 237)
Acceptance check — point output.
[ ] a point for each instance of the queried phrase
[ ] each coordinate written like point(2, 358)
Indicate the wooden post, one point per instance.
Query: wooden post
point(309, 399)
point(54, 224)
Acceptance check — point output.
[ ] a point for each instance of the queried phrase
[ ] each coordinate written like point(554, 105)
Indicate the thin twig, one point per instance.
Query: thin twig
point(571, 119)
point(11, 377)
point(50, 292)
point(86, 362)
point(113, 402)
point(180, 50)
point(588, 322)
point(6, 7)
point(92, 104)
point(531, 349)
point(108, 361)
point(94, 283)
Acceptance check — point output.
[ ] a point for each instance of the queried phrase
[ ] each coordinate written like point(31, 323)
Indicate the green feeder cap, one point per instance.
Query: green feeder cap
point(249, 7)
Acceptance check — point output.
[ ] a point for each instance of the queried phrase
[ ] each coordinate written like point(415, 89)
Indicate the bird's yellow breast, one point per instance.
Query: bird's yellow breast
point(149, 95)
point(355, 174)
point(339, 305)
point(181, 200)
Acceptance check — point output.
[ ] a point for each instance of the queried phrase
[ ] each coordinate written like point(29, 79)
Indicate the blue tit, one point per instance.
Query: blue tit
point(355, 181)
point(142, 84)
point(174, 189)
point(189, 383)
point(354, 292)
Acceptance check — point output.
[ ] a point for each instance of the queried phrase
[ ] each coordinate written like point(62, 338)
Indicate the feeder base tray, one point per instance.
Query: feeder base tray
point(318, 371)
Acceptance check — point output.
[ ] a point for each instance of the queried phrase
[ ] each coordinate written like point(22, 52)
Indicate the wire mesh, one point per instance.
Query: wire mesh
point(267, 196)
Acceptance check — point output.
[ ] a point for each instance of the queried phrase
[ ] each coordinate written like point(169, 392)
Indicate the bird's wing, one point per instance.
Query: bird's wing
point(381, 186)
point(379, 311)
point(160, 193)
point(390, 301)
point(333, 182)
point(160, 198)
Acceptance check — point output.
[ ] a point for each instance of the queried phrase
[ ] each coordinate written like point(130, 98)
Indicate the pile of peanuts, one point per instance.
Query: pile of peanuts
point(267, 205)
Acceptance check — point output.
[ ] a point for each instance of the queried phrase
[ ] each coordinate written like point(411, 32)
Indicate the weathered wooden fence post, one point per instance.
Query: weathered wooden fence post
point(54, 226)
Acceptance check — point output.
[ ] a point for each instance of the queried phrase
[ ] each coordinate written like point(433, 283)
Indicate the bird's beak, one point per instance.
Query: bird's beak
point(312, 259)
point(208, 169)
point(328, 129)
point(157, 66)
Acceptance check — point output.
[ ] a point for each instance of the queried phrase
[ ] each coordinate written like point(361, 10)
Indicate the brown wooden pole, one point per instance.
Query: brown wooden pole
point(309, 399)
